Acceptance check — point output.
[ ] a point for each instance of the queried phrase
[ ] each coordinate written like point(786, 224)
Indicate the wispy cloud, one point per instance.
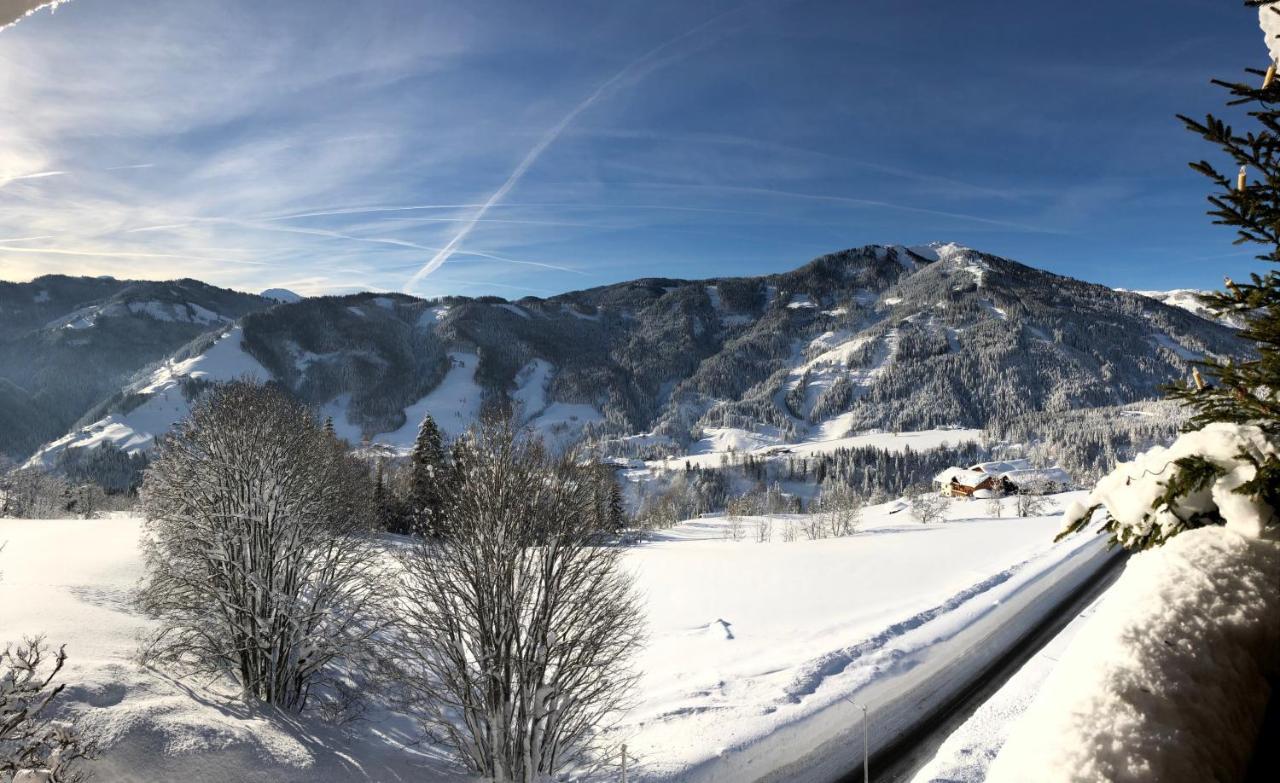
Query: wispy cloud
point(337, 146)
point(858, 202)
point(637, 68)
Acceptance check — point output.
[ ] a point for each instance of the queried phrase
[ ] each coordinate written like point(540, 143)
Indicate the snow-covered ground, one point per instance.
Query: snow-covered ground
point(756, 651)
point(71, 581)
point(722, 444)
point(759, 652)
point(1170, 679)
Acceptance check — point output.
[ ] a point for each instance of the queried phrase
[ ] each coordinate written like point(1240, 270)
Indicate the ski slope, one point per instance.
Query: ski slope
point(756, 651)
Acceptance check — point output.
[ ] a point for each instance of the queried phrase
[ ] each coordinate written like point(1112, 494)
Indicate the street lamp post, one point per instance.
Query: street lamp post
point(866, 755)
point(866, 766)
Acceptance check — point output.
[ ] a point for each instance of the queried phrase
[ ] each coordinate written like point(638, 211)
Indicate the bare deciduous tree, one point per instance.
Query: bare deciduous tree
point(33, 493)
point(733, 529)
point(995, 506)
point(32, 746)
point(789, 533)
point(814, 526)
point(764, 529)
point(518, 628)
point(839, 511)
point(257, 556)
point(835, 513)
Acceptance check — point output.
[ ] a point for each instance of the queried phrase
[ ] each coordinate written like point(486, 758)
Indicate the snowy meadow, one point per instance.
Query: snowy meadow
point(751, 646)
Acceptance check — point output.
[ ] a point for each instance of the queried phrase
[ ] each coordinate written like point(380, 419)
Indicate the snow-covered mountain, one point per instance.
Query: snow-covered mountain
point(67, 343)
point(1189, 299)
point(884, 337)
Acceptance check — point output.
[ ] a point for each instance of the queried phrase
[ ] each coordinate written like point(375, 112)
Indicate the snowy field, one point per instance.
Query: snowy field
point(756, 651)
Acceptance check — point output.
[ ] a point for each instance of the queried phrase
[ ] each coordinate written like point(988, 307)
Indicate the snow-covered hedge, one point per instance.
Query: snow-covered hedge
point(1168, 681)
point(1132, 493)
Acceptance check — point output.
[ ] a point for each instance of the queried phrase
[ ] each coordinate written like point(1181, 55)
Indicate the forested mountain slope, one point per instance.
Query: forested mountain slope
point(873, 337)
point(66, 343)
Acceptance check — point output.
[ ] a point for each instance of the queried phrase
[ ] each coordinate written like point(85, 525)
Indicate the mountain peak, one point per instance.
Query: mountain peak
point(281, 295)
point(941, 251)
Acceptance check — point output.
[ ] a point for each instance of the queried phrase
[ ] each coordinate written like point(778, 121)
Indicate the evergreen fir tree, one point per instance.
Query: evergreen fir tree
point(380, 505)
point(1243, 392)
point(429, 477)
point(328, 427)
point(1235, 392)
point(617, 512)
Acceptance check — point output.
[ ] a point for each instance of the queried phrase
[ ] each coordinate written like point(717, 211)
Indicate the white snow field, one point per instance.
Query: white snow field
point(760, 653)
point(756, 651)
point(71, 581)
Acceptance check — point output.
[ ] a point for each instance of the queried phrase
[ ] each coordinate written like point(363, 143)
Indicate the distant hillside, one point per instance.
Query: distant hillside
point(66, 343)
point(874, 337)
point(1189, 299)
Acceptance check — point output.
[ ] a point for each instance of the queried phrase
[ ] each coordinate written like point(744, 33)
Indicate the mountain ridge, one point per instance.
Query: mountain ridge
point(873, 337)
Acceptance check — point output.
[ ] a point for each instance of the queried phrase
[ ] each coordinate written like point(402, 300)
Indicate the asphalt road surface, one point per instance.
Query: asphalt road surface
point(901, 760)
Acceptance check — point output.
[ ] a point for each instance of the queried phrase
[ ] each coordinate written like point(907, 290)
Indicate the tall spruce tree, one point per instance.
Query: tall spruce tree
point(617, 510)
point(429, 476)
point(1245, 392)
point(381, 506)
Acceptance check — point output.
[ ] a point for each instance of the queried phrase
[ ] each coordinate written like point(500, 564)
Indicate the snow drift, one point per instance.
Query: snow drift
point(1168, 681)
point(1131, 491)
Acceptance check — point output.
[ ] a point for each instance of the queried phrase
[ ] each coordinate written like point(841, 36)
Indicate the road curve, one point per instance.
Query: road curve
point(900, 760)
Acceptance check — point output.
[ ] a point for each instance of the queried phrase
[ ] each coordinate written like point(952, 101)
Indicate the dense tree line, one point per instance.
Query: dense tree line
point(36, 493)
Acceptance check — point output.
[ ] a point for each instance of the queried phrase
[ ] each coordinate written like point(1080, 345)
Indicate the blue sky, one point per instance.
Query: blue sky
point(517, 148)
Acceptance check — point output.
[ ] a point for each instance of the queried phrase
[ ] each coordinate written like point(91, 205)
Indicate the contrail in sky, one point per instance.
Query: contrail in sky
point(549, 138)
point(14, 11)
point(36, 175)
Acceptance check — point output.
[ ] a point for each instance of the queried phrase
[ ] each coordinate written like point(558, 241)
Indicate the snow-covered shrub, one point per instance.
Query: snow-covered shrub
point(1029, 505)
point(34, 748)
point(517, 629)
point(1221, 474)
point(927, 506)
point(33, 493)
point(1168, 681)
point(258, 562)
